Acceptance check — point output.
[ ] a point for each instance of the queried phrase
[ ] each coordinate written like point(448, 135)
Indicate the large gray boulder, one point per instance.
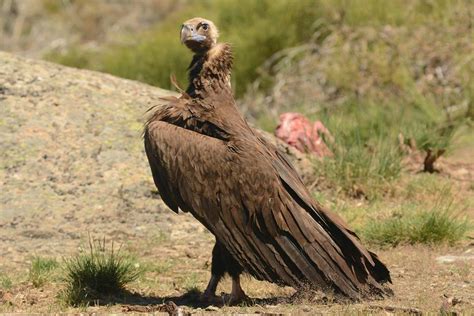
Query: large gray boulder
point(72, 159)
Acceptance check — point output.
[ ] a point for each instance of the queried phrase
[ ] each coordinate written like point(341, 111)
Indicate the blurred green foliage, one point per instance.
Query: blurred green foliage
point(6, 282)
point(256, 29)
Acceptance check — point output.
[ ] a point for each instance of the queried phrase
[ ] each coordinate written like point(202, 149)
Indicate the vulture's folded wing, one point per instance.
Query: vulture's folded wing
point(347, 240)
point(245, 199)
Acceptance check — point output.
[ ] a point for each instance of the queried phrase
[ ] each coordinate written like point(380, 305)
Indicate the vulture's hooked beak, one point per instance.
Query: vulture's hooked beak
point(188, 33)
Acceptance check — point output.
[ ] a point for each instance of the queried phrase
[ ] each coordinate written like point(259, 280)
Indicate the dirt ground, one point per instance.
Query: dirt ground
point(72, 165)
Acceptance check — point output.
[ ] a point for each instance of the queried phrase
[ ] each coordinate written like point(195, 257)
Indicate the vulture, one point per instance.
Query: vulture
point(206, 160)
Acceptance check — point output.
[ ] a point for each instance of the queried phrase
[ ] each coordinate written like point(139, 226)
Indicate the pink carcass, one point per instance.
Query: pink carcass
point(296, 130)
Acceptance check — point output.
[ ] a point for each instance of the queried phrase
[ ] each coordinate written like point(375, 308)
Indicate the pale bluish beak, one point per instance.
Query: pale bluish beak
point(188, 34)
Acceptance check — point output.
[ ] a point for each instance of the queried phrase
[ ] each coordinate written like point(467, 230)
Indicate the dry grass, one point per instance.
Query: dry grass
point(176, 266)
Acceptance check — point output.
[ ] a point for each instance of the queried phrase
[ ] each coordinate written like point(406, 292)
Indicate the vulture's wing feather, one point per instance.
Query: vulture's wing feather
point(346, 238)
point(252, 200)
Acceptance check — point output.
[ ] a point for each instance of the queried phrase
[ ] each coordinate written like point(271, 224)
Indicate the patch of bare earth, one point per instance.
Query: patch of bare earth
point(72, 163)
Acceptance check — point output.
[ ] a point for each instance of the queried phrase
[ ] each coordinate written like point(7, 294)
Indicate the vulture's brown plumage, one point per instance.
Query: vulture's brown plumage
point(206, 160)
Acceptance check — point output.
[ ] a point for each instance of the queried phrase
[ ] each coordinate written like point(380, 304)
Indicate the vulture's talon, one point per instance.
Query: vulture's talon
point(237, 299)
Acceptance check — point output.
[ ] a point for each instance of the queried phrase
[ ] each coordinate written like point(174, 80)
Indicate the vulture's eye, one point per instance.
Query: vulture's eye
point(205, 26)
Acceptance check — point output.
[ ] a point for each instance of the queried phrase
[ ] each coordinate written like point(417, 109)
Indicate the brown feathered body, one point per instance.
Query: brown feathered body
point(206, 160)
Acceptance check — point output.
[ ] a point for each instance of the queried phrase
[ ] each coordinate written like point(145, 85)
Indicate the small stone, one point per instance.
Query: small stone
point(212, 308)
point(306, 309)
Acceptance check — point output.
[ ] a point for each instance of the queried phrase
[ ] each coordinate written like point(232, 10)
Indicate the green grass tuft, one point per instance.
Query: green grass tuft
point(366, 153)
point(190, 282)
point(5, 282)
point(436, 226)
point(360, 171)
point(97, 274)
point(41, 270)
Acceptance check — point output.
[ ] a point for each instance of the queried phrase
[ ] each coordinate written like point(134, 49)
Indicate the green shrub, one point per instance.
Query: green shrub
point(97, 274)
point(190, 282)
point(375, 78)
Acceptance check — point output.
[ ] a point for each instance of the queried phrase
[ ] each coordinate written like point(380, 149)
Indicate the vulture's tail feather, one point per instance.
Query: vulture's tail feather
point(321, 252)
point(349, 268)
point(380, 271)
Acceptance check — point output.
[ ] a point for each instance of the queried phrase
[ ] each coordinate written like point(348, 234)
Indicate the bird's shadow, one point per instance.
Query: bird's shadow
point(133, 301)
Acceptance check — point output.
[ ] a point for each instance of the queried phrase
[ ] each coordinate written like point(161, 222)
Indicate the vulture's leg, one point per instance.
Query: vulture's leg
point(235, 270)
point(223, 262)
point(237, 295)
point(217, 272)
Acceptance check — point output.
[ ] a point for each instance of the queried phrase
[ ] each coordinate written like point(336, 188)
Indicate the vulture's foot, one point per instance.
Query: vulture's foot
point(237, 295)
point(237, 299)
point(209, 296)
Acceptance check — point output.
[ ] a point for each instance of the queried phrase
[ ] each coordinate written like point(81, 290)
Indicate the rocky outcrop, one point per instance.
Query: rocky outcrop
point(68, 136)
point(72, 157)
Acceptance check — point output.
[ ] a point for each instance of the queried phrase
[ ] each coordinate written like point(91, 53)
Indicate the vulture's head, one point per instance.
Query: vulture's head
point(199, 35)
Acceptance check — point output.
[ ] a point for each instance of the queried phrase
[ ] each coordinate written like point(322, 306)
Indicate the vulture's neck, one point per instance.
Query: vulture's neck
point(210, 72)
